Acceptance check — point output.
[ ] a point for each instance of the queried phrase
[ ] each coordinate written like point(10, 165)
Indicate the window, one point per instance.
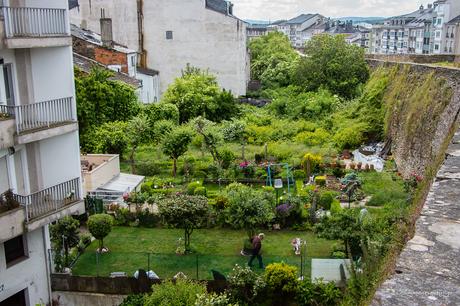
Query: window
point(436, 47)
point(438, 34)
point(169, 34)
point(18, 299)
point(439, 21)
point(15, 250)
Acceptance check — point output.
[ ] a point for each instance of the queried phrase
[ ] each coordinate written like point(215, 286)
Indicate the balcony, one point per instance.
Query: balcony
point(51, 204)
point(27, 27)
point(41, 120)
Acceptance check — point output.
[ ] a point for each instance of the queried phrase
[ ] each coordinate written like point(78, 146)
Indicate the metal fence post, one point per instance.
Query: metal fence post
point(97, 263)
point(148, 261)
point(197, 266)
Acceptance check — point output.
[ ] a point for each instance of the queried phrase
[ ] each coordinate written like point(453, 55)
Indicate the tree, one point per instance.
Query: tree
point(332, 63)
point(273, 60)
point(197, 93)
point(101, 100)
point(109, 138)
point(138, 133)
point(211, 137)
point(247, 208)
point(309, 163)
point(186, 212)
point(100, 225)
point(344, 226)
point(64, 235)
point(176, 144)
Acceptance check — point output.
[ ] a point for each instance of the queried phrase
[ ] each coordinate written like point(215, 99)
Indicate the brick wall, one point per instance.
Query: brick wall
point(100, 54)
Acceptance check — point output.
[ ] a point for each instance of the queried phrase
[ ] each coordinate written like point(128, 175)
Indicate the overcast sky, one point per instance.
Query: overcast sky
point(286, 9)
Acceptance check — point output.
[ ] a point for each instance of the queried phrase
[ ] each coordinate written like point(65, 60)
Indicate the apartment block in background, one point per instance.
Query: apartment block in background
point(40, 180)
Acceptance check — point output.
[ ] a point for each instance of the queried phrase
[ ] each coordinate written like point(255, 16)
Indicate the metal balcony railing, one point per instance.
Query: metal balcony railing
point(35, 22)
point(51, 199)
point(41, 115)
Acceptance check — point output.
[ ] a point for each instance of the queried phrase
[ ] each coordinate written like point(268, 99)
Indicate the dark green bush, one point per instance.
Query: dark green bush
point(227, 157)
point(200, 191)
point(321, 294)
point(134, 300)
point(325, 199)
point(147, 219)
point(148, 168)
point(192, 186)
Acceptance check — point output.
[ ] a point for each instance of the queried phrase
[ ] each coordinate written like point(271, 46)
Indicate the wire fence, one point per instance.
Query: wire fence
point(166, 266)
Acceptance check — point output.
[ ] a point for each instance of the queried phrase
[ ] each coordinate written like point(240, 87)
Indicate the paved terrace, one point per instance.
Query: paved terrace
point(428, 269)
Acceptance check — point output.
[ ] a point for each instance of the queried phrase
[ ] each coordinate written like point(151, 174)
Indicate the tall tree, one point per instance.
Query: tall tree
point(332, 63)
point(64, 235)
point(138, 133)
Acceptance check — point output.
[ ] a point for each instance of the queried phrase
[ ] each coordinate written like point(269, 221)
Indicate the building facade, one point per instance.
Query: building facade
point(425, 31)
point(40, 178)
point(169, 34)
point(301, 28)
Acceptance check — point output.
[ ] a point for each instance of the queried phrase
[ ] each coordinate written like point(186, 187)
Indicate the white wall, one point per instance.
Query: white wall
point(59, 159)
point(201, 37)
point(122, 12)
point(150, 90)
point(52, 73)
point(30, 273)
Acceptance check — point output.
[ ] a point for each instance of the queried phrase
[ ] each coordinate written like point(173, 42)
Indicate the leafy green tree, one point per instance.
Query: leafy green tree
point(344, 226)
point(333, 64)
point(137, 133)
point(64, 235)
point(176, 144)
point(101, 100)
point(211, 137)
point(273, 60)
point(100, 225)
point(247, 208)
point(109, 138)
point(197, 93)
point(186, 212)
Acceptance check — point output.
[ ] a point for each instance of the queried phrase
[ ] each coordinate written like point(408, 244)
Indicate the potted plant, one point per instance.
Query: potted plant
point(352, 165)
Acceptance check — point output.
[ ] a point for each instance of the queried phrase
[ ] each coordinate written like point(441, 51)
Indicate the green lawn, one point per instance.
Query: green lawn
point(218, 249)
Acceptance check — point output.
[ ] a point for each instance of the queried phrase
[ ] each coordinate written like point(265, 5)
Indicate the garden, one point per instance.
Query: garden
point(218, 172)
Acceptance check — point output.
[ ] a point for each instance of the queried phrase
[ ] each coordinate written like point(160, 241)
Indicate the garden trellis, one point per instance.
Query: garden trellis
point(289, 176)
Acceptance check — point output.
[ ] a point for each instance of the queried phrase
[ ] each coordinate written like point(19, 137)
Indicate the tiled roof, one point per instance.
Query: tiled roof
point(220, 6)
point(85, 64)
point(300, 19)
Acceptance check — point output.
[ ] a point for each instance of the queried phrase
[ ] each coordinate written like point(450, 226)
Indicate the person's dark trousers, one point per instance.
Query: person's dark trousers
point(259, 258)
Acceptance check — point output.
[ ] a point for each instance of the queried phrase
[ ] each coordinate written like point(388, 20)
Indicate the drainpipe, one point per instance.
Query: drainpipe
point(49, 263)
point(140, 25)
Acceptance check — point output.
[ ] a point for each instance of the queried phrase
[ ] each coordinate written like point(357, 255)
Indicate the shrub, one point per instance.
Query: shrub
point(299, 174)
point(321, 294)
point(147, 219)
point(244, 285)
point(100, 225)
point(134, 300)
point(192, 186)
point(325, 199)
point(350, 137)
point(281, 280)
point(200, 191)
point(213, 299)
point(183, 292)
point(335, 207)
point(227, 158)
point(319, 137)
point(320, 181)
point(310, 162)
point(148, 168)
point(85, 238)
point(339, 255)
point(221, 202)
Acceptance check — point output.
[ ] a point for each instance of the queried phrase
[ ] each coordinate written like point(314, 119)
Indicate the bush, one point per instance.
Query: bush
point(350, 137)
point(227, 158)
point(183, 292)
point(318, 137)
point(281, 282)
point(299, 174)
point(320, 181)
point(192, 186)
point(148, 168)
point(244, 285)
point(321, 294)
point(147, 219)
point(213, 299)
point(335, 207)
point(326, 199)
point(339, 255)
point(85, 238)
point(221, 202)
point(134, 300)
point(200, 191)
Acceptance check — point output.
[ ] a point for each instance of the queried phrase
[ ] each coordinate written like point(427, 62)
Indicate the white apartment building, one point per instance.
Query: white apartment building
point(452, 38)
point(39, 147)
point(421, 32)
point(301, 28)
point(169, 34)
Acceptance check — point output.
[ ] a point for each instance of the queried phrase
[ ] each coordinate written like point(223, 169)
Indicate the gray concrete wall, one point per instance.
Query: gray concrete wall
point(83, 298)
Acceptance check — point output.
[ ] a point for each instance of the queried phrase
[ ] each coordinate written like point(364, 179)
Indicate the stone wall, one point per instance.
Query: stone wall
point(416, 58)
point(425, 105)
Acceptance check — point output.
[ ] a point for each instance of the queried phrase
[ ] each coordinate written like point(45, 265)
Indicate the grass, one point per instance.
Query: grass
point(383, 188)
point(154, 249)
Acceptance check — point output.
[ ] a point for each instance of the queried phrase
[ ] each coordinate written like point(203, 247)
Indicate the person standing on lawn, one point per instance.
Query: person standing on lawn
point(256, 246)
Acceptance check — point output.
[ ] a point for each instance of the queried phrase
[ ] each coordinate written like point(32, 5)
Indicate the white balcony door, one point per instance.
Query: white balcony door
point(6, 85)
